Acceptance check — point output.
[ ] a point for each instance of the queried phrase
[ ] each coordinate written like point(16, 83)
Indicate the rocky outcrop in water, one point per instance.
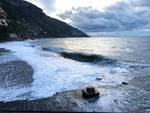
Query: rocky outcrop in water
point(90, 92)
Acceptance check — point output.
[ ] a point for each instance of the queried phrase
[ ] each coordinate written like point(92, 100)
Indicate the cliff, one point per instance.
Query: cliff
point(25, 20)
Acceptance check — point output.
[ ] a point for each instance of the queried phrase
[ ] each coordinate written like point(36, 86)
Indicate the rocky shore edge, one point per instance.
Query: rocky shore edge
point(63, 101)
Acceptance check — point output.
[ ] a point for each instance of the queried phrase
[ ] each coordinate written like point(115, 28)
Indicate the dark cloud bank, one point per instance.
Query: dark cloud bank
point(129, 15)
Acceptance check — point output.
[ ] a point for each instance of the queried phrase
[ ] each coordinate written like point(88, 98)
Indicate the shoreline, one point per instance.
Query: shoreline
point(118, 98)
point(62, 101)
point(72, 101)
point(15, 74)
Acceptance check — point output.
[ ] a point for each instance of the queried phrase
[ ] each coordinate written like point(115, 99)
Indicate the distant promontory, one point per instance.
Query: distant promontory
point(22, 20)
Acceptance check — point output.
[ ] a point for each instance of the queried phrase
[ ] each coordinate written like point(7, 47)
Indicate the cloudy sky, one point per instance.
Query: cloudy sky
point(101, 17)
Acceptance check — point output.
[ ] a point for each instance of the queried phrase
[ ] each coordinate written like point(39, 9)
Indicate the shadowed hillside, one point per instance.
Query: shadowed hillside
point(25, 20)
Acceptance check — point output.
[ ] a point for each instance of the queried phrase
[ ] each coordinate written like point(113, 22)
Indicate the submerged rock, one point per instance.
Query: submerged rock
point(124, 83)
point(98, 78)
point(90, 92)
point(44, 48)
point(32, 45)
point(3, 50)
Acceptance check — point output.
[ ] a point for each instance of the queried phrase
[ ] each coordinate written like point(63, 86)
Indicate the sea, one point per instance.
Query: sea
point(63, 64)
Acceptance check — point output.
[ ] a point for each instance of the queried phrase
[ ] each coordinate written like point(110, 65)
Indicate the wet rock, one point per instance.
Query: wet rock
point(90, 92)
point(32, 45)
point(98, 78)
point(60, 102)
point(46, 49)
point(3, 50)
point(124, 83)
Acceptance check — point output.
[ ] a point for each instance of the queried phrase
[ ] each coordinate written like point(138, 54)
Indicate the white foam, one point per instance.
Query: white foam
point(53, 73)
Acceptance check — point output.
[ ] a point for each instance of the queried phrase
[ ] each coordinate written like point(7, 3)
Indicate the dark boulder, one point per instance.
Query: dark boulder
point(124, 83)
point(98, 78)
point(90, 92)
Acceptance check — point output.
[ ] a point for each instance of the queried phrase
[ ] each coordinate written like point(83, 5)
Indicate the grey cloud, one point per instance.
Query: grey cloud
point(143, 3)
point(122, 16)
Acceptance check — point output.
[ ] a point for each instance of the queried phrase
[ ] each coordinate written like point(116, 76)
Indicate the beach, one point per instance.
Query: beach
point(35, 79)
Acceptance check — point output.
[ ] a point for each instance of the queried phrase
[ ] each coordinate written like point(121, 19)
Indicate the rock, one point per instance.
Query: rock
point(32, 45)
point(2, 50)
point(98, 78)
point(46, 49)
point(90, 92)
point(124, 83)
point(66, 101)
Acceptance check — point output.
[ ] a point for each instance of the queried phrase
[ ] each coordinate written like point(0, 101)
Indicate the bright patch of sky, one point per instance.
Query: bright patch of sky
point(53, 7)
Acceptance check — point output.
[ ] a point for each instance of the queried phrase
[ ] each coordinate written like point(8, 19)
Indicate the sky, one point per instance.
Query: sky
point(101, 17)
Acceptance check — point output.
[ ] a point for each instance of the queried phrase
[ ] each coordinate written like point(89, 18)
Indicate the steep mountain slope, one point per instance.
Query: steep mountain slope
point(25, 20)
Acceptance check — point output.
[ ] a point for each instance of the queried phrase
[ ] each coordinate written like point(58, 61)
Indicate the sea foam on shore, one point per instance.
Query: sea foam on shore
point(53, 73)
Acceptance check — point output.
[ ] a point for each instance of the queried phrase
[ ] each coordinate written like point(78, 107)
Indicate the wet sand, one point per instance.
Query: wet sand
point(15, 73)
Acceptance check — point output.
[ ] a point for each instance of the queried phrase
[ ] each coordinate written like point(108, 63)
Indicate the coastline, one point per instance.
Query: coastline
point(72, 101)
point(118, 98)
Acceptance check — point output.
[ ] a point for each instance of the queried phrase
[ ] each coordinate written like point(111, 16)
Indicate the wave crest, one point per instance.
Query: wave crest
point(82, 57)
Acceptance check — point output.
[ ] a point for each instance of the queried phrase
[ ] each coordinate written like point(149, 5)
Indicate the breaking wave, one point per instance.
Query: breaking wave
point(83, 57)
point(55, 72)
point(97, 59)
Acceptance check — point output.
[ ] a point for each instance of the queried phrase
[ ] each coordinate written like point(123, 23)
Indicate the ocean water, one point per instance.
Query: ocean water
point(119, 48)
point(63, 64)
